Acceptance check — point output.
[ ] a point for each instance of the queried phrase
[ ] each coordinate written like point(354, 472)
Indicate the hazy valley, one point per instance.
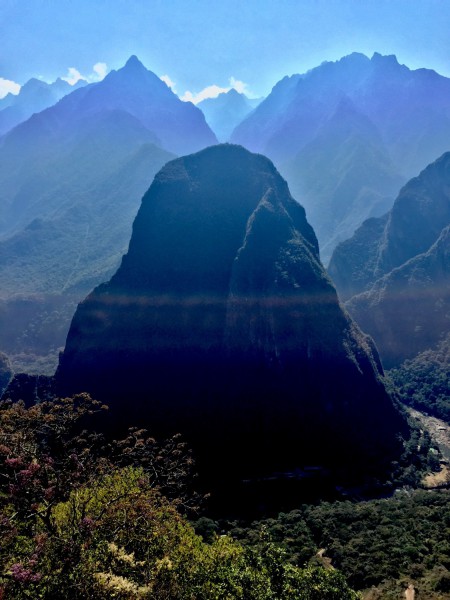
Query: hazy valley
point(181, 282)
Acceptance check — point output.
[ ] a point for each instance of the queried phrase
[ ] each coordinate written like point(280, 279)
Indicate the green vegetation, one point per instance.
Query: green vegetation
point(423, 382)
point(81, 518)
point(390, 541)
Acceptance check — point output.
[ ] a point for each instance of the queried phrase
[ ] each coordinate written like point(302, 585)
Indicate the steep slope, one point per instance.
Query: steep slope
point(408, 310)
point(5, 372)
point(132, 94)
point(34, 96)
point(71, 179)
point(50, 264)
point(225, 112)
point(420, 213)
point(357, 181)
point(407, 125)
point(395, 270)
point(221, 323)
point(423, 382)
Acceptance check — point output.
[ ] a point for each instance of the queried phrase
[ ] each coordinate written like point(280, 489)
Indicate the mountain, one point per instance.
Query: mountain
point(357, 179)
point(34, 96)
point(408, 310)
point(221, 323)
point(226, 111)
point(395, 271)
point(71, 179)
point(384, 122)
point(5, 372)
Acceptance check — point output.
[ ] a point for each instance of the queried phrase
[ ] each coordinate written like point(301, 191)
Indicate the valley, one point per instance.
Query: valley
point(225, 334)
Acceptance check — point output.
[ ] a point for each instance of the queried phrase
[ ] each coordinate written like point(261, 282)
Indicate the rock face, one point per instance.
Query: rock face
point(396, 269)
point(221, 323)
point(347, 135)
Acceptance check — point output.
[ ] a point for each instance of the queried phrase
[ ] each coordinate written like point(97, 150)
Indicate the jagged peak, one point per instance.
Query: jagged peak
point(387, 59)
point(134, 63)
point(34, 83)
point(234, 92)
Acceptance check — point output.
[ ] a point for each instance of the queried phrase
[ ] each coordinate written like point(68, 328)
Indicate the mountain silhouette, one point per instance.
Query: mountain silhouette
point(221, 323)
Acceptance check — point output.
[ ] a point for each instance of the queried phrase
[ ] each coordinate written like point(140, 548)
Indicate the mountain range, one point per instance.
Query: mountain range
point(34, 96)
point(71, 181)
point(395, 271)
point(222, 324)
point(226, 111)
point(347, 135)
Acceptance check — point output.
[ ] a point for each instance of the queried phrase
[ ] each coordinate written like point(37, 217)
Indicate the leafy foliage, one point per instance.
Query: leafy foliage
point(395, 539)
point(82, 518)
point(423, 382)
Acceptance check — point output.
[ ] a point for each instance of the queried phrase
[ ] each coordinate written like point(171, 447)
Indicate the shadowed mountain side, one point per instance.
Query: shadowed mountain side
point(221, 323)
point(420, 213)
point(5, 372)
point(354, 261)
point(83, 202)
point(408, 310)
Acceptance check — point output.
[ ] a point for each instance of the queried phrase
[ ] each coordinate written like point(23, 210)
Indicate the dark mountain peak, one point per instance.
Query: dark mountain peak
point(222, 324)
point(386, 59)
point(355, 58)
point(133, 63)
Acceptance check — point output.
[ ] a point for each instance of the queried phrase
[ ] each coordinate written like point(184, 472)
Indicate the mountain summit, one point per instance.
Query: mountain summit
point(221, 323)
point(71, 180)
point(350, 169)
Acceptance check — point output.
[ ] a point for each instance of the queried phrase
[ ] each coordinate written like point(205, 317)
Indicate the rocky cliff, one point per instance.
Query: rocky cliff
point(221, 323)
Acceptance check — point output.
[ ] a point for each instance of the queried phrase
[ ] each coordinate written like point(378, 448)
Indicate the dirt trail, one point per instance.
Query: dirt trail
point(410, 593)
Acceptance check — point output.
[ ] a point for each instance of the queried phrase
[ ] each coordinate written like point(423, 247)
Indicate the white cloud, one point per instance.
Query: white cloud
point(212, 91)
point(99, 71)
point(168, 82)
point(239, 86)
point(73, 75)
point(8, 87)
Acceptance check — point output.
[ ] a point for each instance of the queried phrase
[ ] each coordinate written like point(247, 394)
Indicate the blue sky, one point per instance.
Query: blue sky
point(198, 43)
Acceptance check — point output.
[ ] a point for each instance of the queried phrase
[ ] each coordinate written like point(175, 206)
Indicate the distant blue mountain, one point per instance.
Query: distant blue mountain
point(345, 165)
point(226, 111)
point(71, 179)
point(34, 96)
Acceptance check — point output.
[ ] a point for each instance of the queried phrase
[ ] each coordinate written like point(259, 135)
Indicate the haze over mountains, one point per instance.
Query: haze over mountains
point(72, 178)
point(226, 111)
point(396, 269)
point(221, 323)
point(33, 97)
point(347, 134)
